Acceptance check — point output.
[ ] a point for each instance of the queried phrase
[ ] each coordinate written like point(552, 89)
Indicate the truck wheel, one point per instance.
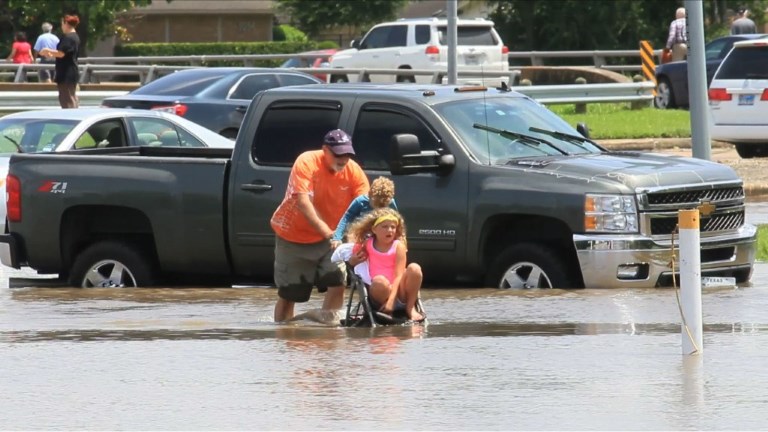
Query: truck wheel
point(528, 265)
point(111, 264)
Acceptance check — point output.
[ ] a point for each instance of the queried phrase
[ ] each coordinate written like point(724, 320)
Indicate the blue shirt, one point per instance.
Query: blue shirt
point(359, 206)
point(46, 40)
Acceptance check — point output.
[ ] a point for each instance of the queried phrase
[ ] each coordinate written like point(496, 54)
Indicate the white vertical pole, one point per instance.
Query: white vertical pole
point(690, 282)
point(697, 80)
point(453, 74)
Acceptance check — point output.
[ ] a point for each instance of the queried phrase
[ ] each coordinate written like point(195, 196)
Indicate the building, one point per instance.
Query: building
point(201, 21)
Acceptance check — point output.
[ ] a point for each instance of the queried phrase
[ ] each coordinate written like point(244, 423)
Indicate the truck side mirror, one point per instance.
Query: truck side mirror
point(355, 44)
point(583, 129)
point(406, 157)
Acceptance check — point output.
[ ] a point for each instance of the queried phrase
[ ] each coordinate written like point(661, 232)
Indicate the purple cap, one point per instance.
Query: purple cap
point(339, 142)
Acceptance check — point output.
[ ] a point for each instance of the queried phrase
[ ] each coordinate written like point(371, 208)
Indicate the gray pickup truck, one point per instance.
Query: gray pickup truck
point(496, 191)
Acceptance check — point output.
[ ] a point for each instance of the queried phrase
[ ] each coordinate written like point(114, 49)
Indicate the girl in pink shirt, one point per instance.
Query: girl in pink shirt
point(21, 50)
point(380, 237)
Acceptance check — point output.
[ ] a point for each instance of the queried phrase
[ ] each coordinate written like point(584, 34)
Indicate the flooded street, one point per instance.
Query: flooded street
point(201, 359)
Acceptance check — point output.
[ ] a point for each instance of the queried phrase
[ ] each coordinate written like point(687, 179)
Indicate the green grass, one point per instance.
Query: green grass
point(762, 243)
point(618, 121)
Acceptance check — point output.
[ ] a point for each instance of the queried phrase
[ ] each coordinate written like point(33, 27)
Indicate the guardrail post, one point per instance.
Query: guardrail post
point(150, 75)
point(637, 105)
point(363, 76)
point(599, 60)
point(85, 74)
point(437, 78)
point(581, 108)
point(18, 78)
point(535, 60)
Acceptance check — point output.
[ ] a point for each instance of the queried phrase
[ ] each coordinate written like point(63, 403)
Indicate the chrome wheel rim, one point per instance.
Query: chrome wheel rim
point(525, 275)
point(109, 274)
point(662, 95)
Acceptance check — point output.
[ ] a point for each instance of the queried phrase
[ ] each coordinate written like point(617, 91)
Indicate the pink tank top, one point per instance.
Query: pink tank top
point(381, 263)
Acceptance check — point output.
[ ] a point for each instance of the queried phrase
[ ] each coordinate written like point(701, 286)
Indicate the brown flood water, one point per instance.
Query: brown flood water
point(212, 359)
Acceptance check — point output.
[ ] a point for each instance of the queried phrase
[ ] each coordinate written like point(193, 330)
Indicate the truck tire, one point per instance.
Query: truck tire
point(111, 264)
point(528, 265)
point(339, 79)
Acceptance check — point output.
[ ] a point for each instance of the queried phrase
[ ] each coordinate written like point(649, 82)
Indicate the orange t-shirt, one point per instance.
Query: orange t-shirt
point(331, 193)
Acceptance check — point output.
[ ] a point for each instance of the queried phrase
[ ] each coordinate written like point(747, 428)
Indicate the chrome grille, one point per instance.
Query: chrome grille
point(696, 196)
point(715, 222)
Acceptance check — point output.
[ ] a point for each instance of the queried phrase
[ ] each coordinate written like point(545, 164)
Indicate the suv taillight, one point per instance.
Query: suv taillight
point(13, 198)
point(764, 96)
point(432, 50)
point(505, 49)
point(719, 94)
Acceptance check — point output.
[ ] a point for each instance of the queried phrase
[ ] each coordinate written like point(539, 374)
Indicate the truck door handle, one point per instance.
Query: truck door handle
point(241, 109)
point(251, 187)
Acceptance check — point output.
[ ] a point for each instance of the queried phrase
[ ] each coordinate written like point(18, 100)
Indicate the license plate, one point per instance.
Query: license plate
point(746, 99)
point(715, 281)
point(470, 59)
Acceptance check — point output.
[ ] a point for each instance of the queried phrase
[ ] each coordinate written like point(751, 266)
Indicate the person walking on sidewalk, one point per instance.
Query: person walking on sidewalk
point(66, 53)
point(50, 41)
point(677, 40)
point(742, 24)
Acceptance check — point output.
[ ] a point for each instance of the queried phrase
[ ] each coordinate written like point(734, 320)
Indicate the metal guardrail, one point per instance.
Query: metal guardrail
point(548, 95)
point(536, 58)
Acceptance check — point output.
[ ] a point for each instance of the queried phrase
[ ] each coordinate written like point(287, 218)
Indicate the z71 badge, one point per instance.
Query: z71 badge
point(53, 187)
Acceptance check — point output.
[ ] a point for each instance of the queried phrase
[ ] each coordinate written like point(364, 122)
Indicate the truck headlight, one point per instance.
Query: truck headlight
point(610, 213)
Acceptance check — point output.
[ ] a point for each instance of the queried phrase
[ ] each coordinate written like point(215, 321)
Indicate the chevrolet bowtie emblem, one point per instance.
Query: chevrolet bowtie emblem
point(706, 208)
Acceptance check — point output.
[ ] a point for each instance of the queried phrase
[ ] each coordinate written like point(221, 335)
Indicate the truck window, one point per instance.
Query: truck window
point(288, 129)
point(375, 127)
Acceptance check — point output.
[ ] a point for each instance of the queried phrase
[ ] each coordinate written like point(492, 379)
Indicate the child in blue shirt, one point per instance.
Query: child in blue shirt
point(380, 195)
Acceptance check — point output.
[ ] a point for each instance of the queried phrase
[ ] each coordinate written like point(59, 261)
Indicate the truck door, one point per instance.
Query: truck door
point(283, 130)
point(434, 206)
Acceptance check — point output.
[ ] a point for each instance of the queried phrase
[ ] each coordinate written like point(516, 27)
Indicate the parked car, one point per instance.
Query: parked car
point(312, 59)
point(422, 44)
point(216, 98)
point(672, 78)
point(45, 131)
point(738, 99)
point(497, 191)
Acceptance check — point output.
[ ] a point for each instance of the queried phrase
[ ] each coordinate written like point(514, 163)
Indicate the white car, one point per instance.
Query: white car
point(738, 98)
point(69, 129)
point(422, 44)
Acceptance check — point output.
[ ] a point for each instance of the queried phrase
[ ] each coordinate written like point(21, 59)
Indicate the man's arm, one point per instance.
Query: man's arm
point(308, 210)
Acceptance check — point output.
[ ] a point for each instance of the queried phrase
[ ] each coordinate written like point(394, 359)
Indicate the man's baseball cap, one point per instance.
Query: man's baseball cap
point(339, 142)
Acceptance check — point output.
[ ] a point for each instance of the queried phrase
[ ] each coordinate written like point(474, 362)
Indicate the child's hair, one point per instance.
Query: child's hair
point(362, 228)
point(382, 190)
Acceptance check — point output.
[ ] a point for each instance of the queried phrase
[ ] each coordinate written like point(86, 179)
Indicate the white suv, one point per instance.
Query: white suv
point(738, 98)
point(422, 44)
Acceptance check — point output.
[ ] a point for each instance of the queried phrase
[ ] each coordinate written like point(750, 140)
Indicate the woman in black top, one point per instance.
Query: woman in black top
point(66, 52)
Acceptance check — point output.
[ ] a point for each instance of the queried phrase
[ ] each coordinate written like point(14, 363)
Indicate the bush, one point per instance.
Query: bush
point(287, 33)
point(216, 48)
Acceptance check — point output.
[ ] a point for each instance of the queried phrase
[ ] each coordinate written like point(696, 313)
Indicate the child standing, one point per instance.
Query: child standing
point(394, 286)
point(380, 195)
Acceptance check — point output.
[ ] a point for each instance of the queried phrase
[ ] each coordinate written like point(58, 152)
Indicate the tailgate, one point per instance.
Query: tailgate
point(745, 102)
point(180, 200)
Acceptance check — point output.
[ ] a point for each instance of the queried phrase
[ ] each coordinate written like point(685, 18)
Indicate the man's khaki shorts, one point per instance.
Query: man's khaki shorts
point(299, 267)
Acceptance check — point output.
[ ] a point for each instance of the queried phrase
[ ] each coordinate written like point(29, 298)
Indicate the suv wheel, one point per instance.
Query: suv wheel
point(406, 79)
point(339, 79)
point(748, 151)
point(664, 98)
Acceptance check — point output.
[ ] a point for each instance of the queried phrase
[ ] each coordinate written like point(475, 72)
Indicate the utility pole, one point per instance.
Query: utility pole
point(697, 80)
point(453, 75)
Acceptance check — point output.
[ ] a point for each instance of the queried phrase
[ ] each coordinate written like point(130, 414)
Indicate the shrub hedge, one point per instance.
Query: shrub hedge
point(221, 48)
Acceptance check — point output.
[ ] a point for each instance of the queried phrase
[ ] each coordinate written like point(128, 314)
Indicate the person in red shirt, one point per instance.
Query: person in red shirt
point(321, 186)
point(21, 51)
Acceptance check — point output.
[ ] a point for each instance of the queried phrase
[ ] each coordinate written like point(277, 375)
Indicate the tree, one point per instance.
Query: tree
point(312, 16)
point(98, 18)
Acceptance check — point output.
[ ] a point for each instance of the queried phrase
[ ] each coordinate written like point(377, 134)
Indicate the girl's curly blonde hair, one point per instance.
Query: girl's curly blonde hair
point(362, 228)
point(382, 192)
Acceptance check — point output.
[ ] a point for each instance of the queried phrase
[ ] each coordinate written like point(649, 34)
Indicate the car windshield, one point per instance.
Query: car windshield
point(181, 83)
point(498, 129)
point(33, 135)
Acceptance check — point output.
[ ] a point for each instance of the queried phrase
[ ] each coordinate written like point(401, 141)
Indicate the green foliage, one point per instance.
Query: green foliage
point(762, 243)
point(565, 25)
point(617, 121)
point(327, 45)
point(312, 16)
point(97, 17)
point(284, 32)
point(216, 48)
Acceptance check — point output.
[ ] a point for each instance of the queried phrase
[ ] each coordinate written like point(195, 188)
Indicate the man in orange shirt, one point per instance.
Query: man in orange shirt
point(321, 186)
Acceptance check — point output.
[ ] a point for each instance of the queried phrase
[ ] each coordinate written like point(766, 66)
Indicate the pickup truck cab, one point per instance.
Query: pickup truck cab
point(495, 189)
